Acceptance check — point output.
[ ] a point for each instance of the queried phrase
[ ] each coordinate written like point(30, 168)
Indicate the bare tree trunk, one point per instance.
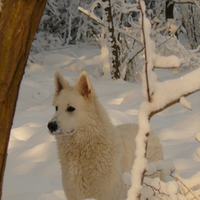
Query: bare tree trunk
point(169, 10)
point(112, 41)
point(19, 20)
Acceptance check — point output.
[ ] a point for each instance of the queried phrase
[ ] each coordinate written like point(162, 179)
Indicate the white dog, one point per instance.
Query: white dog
point(93, 153)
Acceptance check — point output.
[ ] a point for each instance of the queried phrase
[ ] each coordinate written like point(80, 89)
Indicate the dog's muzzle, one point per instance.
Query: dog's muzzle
point(52, 126)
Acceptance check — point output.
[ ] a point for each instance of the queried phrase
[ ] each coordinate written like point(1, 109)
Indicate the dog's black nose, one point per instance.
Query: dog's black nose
point(52, 126)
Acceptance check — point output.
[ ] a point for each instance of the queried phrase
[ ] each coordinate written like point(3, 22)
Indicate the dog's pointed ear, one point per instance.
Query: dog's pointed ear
point(60, 83)
point(83, 85)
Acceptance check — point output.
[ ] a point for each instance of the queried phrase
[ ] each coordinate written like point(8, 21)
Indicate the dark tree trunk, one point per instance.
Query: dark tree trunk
point(169, 10)
point(112, 41)
point(19, 20)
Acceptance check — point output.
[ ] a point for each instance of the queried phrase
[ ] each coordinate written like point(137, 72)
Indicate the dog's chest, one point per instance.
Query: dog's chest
point(90, 165)
point(82, 160)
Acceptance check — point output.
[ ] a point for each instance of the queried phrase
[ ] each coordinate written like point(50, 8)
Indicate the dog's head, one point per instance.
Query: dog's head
point(72, 104)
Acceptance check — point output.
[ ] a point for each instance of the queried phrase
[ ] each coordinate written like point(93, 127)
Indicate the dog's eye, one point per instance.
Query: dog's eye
point(56, 108)
point(70, 109)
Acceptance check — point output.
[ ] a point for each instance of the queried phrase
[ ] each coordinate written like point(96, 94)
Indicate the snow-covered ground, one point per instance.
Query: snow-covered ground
point(33, 171)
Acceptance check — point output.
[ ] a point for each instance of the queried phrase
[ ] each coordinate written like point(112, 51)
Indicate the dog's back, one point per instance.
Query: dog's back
point(128, 132)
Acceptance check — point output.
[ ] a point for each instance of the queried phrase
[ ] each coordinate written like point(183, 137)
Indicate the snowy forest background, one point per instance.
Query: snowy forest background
point(175, 30)
point(115, 28)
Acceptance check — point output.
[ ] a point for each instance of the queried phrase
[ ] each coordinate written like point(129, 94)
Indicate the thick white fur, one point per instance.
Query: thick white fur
point(93, 153)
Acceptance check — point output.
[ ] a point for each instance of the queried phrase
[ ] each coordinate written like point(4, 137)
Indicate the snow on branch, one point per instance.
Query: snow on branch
point(166, 61)
point(186, 1)
point(159, 95)
point(127, 34)
point(184, 102)
point(169, 92)
point(195, 50)
point(91, 15)
point(140, 164)
point(124, 7)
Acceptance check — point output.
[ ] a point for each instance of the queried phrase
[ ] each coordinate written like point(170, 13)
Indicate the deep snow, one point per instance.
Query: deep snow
point(33, 170)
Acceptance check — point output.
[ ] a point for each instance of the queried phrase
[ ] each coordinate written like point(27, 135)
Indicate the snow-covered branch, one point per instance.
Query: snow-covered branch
point(186, 1)
point(166, 61)
point(123, 7)
point(159, 95)
point(91, 15)
point(140, 163)
point(168, 92)
point(134, 37)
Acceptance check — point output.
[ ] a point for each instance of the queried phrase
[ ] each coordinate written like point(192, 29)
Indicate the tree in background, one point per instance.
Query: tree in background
point(169, 32)
point(19, 20)
point(114, 26)
point(117, 34)
point(62, 24)
point(191, 23)
point(111, 39)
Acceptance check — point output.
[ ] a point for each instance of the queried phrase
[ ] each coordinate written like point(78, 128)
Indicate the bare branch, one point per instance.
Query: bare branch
point(165, 95)
point(145, 51)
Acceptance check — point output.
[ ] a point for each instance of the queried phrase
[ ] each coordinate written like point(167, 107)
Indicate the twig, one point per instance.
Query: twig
point(164, 42)
point(154, 189)
point(189, 190)
point(136, 54)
